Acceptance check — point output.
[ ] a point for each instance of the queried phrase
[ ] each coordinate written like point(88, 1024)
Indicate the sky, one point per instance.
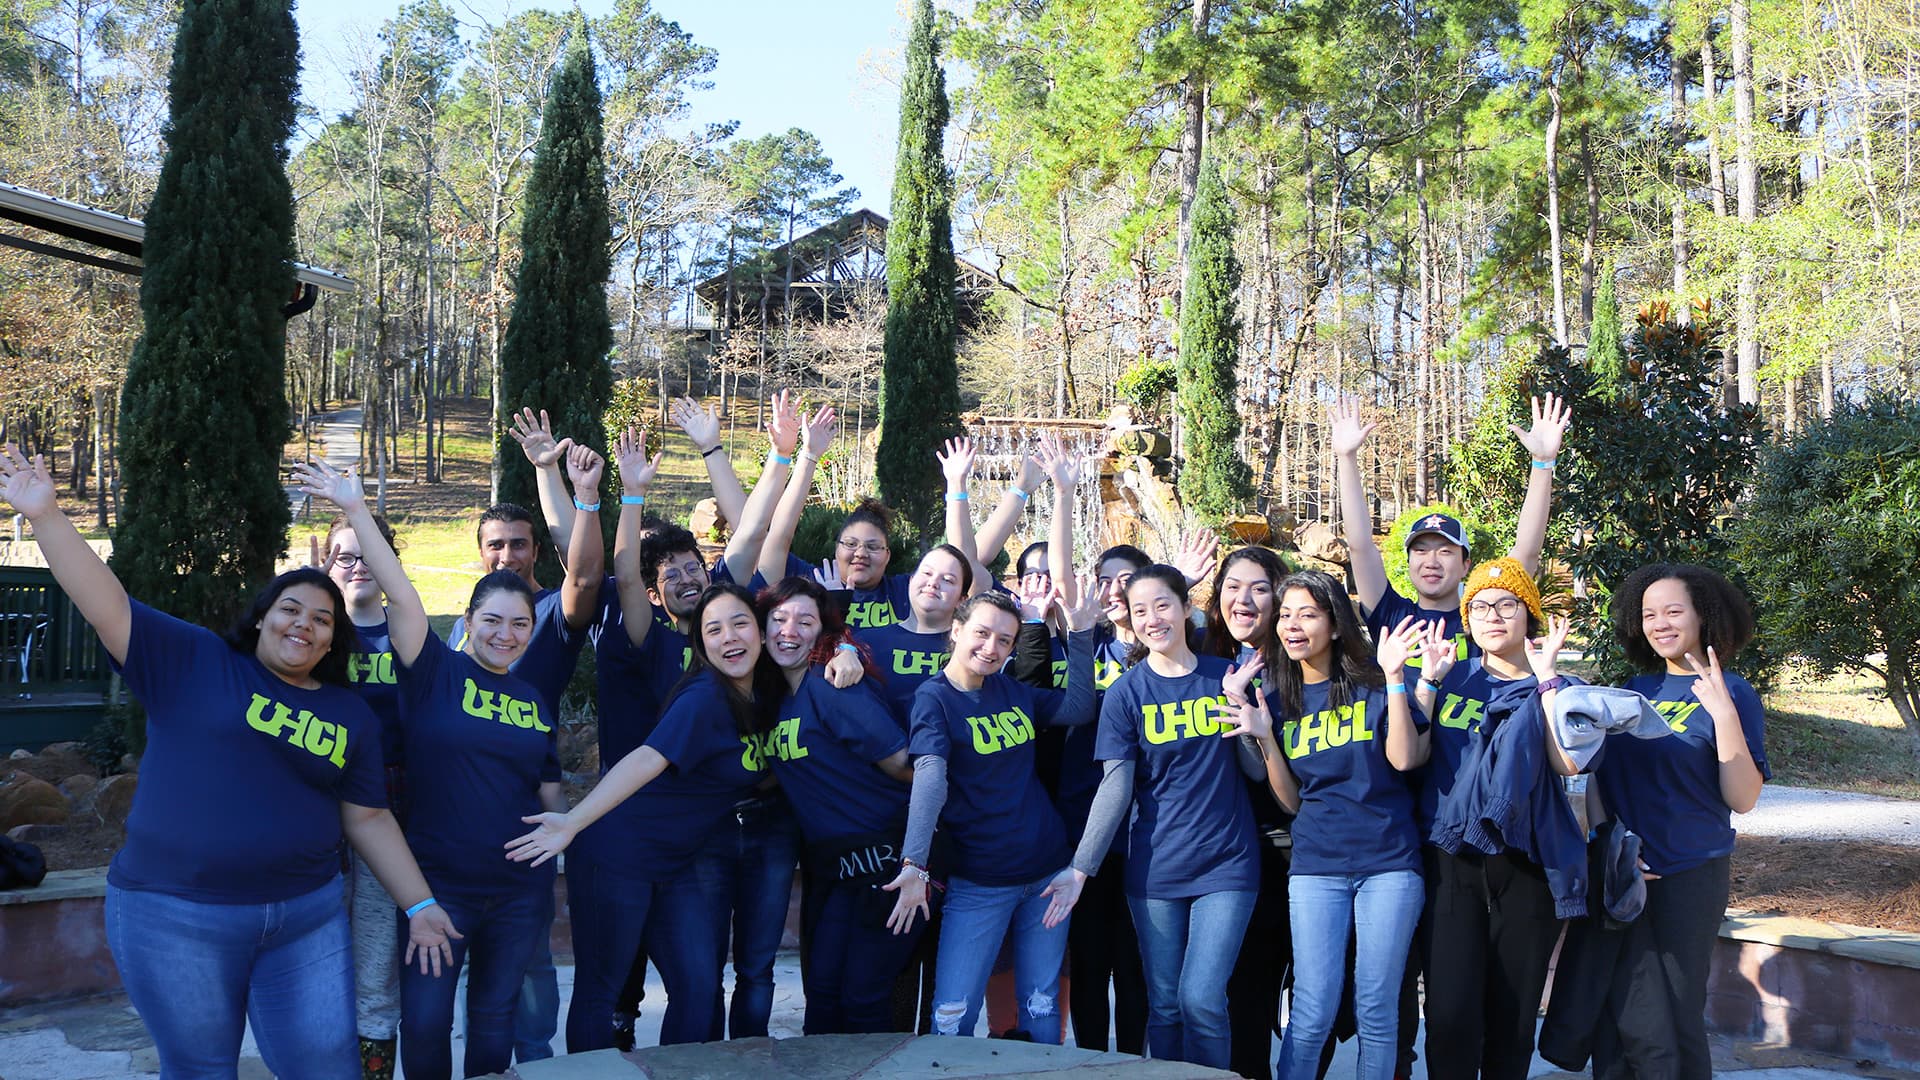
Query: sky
point(831, 68)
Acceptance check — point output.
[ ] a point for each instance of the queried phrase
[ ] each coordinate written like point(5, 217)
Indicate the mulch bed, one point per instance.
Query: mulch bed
point(1858, 883)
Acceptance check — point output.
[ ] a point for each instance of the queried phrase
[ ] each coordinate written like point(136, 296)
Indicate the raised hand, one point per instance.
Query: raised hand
point(584, 467)
point(29, 487)
point(1194, 560)
point(1065, 890)
point(630, 456)
point(1550, 419)
point(700, 422)
point(1399, 643)
point(324, 482)
point(1544, 653)
point(427, 936)
point(1252, 718)
point(1031, 473)
point(1710, 685)
point(819, 432)
point(783, 424)
point(1438, 652)
point(1241, 676)
point(1033, 598)
point(956, 462)
point(535, 436)
point(1063, 467)
point(318, 560)
point(1344, 428)
point(1086, 611)
point(913, 898)
point(828, 576)
point(551, 835)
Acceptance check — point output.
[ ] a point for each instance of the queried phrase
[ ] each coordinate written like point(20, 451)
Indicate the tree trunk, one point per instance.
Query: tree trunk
point(1554, 241)
point(1592, 238)
point(1710, 98)
point(1193, 105)
point(1746, 311)
point(1681, 308)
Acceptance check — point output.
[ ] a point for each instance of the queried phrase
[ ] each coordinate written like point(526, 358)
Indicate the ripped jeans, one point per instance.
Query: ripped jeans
point(973, 921)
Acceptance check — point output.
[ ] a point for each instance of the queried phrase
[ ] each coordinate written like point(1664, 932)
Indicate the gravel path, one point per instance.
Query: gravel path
point(1814, 814)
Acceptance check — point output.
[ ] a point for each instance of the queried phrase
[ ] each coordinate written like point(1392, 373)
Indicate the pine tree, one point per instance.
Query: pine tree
point(1605, 355)
point(1215, 480)
point(554, 353)
point(204, 410)
point(920, 379)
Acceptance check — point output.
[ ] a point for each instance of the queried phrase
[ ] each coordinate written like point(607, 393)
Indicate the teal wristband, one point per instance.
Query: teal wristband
point(848, 646)
point(1396, 688)
point(782, 459)
point(956, 496)
point(591, 508)
point(1018, 494)
point(633, 500)
point(1547, 464)
point(421, 906)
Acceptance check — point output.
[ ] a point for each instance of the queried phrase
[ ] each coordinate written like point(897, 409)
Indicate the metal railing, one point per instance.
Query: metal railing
point(45, 645)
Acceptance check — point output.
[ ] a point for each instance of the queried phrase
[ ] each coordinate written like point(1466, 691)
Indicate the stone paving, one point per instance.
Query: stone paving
point(101, 1039)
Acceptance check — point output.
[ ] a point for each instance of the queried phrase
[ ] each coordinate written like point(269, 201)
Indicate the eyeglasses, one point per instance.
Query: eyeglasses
point(346, 561)
point(872, 547)
point(1506, 608)
point(675, 576)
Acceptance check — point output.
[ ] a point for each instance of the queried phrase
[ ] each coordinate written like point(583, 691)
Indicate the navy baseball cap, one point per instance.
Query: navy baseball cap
point(1446, 527)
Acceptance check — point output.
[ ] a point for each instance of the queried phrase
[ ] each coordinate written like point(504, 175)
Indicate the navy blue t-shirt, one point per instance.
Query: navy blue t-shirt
point(548, 663)
point(656, 833)
point(370, 668)
point(1668, 789)
point(1393, 607)
point(1003, 828)
point(1357, 811)
point(1468, 709)
point(882, 605)
point(480, 746)
point(1192, 830)
point(241, 785)
point(905, 659)
point(631, 683)
point(822, 750)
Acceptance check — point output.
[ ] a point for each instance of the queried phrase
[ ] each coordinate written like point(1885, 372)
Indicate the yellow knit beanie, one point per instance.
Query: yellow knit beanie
point(1502, 573)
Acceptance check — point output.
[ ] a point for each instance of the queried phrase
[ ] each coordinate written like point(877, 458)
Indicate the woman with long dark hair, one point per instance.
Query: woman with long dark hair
point(1345, 738)
point(842, 760)
point(260, 760)
point(1193, 869)
point(482, 746)
point(629, 879)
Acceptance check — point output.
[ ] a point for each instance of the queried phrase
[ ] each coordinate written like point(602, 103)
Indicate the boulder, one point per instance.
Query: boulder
point(57, 762)
point(36, 834)
point(705, 522)
point(26, 799)
point(1249, 529)
point(1316, 540)
point(79, 791)
point(113, 799)
point(1144, 442)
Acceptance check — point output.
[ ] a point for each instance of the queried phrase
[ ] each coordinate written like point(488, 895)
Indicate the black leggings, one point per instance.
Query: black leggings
point(1485, 940)
point(1658, 997)
point(1102, 947)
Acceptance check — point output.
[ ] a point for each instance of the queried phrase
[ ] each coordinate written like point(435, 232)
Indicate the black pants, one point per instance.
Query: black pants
point(1102, 948)
point(1260, 971)
point(1485, 940)
point(1658, 996)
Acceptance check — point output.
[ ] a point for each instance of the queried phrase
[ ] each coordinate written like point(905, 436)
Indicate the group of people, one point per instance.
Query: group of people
point(1185, 805)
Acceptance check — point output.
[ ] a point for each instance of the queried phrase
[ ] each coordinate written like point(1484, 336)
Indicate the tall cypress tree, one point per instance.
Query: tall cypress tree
point(920, 379)
point(1214, 479)
point(554, 353)
point(1605, 355)
point(203, 416)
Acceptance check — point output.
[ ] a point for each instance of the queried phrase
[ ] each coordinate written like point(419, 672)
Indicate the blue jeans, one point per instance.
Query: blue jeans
point(499, 934)
point(747, 872)
point(853, 960)
point(536, 1015)
point(975, 919)
point(1188, 948)
point(197, 973)
point(1378, 911)
point(613, 915)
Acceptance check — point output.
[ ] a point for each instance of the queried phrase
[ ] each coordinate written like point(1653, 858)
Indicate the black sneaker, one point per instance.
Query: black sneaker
point(623, 1031)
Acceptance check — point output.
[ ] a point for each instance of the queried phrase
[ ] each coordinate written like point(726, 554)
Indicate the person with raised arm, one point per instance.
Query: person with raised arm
point(642, 827)
point(480, 742)
point(1337, 758)
point(226, 903)
point(1009, 872)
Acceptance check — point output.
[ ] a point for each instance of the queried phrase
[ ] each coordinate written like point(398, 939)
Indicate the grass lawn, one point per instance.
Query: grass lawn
point(1839, 733)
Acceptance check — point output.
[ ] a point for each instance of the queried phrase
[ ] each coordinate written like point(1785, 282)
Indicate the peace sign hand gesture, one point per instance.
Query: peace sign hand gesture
point(1710, 685)
point(1543, 654)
